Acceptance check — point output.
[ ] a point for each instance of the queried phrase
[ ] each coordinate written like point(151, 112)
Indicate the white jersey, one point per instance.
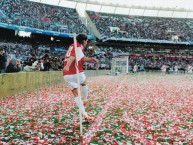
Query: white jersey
point(135, 68)
point(163, 68)
point(176, 68)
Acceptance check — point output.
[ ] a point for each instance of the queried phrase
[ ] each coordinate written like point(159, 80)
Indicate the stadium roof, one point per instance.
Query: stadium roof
point(154, 8)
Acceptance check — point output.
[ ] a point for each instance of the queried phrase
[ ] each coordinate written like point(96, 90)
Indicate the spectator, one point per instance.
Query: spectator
point(32, 59)
point(2, 61)
point(35, 66)
point(46, 63)
point(13, 66)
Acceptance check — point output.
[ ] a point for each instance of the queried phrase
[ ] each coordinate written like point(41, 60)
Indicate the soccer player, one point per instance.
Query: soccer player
point(176, 69)
point(163, 69)
point(135, 68)
point(70, 72)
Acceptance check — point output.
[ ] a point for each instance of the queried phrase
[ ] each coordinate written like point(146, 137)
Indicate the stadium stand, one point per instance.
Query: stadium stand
point(54, 18)
point(122, 26)
point(41, 16)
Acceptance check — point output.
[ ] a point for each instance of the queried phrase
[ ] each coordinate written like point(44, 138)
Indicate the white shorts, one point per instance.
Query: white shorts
point(71, 80)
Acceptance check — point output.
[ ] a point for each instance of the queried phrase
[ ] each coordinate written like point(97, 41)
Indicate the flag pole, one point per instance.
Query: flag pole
point(78, 81)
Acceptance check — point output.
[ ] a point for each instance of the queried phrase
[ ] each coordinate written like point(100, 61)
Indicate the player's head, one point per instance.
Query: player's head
point(82, 39)
point(1, 51)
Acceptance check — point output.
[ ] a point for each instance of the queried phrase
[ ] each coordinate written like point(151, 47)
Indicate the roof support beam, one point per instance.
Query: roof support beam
point(59, 2)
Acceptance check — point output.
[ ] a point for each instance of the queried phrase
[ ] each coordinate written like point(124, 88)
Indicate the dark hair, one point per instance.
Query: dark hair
point(46, 56)
point(81, 37)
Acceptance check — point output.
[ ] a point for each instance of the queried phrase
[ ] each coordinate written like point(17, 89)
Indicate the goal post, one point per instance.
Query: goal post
point(119, 65)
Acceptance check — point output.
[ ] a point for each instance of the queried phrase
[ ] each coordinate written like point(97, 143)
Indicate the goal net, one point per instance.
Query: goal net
point(119, 66)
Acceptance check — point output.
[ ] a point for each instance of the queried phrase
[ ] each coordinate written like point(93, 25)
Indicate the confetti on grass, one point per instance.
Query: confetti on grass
point(137, 109)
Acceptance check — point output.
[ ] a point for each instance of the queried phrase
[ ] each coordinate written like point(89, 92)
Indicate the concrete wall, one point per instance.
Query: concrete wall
point(14, 83)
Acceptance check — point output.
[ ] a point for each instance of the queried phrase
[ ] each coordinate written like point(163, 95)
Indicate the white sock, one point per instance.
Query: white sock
point(80, 105)
point(84, 92)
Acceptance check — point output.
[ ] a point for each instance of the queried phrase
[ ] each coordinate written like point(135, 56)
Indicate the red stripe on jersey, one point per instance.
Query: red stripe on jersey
point(79, 56)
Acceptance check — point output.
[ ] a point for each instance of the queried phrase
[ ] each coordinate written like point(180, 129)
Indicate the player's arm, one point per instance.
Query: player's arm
point(69, 62)
point(88, 59)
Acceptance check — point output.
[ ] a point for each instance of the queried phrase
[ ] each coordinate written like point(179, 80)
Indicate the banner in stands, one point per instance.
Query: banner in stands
point(40, 31)
point(157, 55)
point(58, 49)
point(148, 41)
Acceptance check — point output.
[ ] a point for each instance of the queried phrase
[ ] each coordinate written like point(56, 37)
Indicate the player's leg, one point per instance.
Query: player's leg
point(84, 88)
point(84, 92)
point(72, 84)
point(79, 101)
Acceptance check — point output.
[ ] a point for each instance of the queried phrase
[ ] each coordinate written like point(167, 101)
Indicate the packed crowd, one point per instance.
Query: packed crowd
point(60, 19)
point(44, 57)
point(148, 59)
point(155, 64)
point(27, 57)
point(41, 16)
point(120, 26)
